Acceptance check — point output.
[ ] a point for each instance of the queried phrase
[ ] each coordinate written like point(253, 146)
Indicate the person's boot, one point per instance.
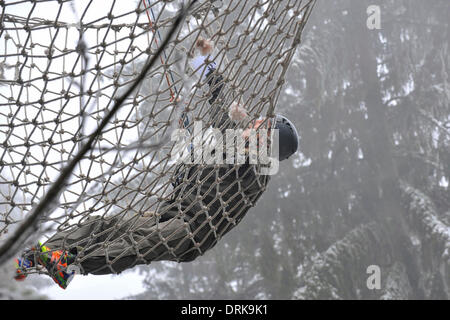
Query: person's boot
point(55, 262)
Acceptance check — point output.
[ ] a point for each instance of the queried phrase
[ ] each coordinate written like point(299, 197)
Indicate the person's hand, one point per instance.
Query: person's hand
point(237, 112)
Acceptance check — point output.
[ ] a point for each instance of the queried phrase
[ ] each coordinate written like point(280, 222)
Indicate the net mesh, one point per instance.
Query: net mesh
point(63, 64)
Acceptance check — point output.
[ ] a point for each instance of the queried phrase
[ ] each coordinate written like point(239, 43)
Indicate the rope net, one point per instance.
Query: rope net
point(63, 65)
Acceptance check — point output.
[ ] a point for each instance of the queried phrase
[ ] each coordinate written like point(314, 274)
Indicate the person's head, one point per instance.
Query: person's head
point(288, 140)
point(288, 137)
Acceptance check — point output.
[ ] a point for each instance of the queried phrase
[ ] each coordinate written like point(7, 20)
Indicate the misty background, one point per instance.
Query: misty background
point(369, 187)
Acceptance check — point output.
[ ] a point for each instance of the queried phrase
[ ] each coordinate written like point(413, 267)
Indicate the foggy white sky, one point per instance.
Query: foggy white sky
point(107, 287)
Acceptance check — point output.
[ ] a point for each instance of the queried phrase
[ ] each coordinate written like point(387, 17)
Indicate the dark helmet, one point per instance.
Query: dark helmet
point(288, 137)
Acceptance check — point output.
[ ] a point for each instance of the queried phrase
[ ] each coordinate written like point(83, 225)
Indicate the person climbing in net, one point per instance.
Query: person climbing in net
point(208, 201)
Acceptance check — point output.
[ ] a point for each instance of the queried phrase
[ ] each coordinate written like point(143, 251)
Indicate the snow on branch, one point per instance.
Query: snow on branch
point(341, 269)
point(423, 213)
